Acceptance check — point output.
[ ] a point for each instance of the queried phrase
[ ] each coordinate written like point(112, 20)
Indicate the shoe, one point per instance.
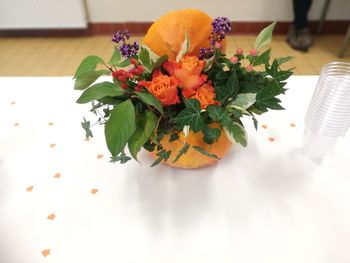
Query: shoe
point(298, 41)
point(305, 36)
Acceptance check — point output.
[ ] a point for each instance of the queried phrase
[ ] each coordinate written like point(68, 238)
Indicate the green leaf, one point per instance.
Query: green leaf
point(283, 75)
point(183, 151)
point(124, 63)
point(84, 80)
point(86, 126)
point(149, 99)
point(265, 98)
point(264, 36)
point(191, 116)
point(145, 126)
point(116, 57)
point(236, 133)
point(120, 127)
point(211, 135)
point(208, 63)
point(87, 65)
point(262, 59)
point(163, 155)
point(122, 158)
point(204, 152)
point(184, 48)
point(144, 57)
point(215, 112)
point(228, 89)
point(99, 91)
point(245, 100)
point(174, 136)
point(282, 60)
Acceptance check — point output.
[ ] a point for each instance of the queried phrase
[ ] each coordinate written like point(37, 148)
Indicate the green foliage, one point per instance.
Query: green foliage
point(182, 151)
point(174, 136)
point(145, 125)
point(85, 79)
point(99, 91)
point(245, 100)
point(264, 36)
point(120, 127)
point(204, 152)
point(86, 126)
point(184, 48)
point(163, 155)
point(122, 158)
point(235, 132)
point(191, 116)
point(150, 100)
point(88, 65)
point(211, 135)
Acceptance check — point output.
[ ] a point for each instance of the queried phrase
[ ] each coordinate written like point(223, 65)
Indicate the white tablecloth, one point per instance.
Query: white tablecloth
point(61, 201)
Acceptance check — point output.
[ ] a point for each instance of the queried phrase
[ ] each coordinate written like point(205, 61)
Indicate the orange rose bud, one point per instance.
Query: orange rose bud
point(205, 95)
point(163, 87)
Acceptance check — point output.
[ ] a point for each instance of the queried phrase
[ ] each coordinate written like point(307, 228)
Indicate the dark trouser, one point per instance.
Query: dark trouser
point(301, 9)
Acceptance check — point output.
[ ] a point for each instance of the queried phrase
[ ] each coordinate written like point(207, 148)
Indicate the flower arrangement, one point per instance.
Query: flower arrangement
point(181, 102)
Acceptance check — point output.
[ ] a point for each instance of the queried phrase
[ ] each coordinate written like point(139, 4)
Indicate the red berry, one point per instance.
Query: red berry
point(138, 88)
point(239, 51)
point(122, 78)
point(133, 61)
point(124, 85)
point(234, 59)
point(253, 52)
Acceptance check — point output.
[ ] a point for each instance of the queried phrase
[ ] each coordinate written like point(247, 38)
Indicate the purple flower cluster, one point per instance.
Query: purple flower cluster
point(221, 26)
point(121, 36)
point(127, 50)
point(205, 53)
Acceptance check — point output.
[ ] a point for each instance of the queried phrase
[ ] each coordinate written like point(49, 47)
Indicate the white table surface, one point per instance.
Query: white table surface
point(264, 203)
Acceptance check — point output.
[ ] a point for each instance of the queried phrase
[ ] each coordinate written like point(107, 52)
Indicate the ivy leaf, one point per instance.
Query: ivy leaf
point(145, 126)
point(85, 79)
point(163, 155)
point(122, 158)
point(262, 59)
point(123, 64)
point(283, 75)
point(215, 112)
point(149, 99)
point(144, 57)
point(266, 97)
point(245, 100)
point(211, 135)
point(264, 36)
point(87, 65)
point(120, 127)
point(86, 126)
point(99, 91)
point(204, 152)
point(236, 133)
point(183, 151)
point(208, 63)
point(229, 89)
point(191, 116)
point(184, 48)
point(116, 57)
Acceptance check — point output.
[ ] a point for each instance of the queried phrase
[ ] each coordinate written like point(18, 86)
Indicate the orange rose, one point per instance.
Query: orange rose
point(163, 87)
point(188, 71)
point(205, 95)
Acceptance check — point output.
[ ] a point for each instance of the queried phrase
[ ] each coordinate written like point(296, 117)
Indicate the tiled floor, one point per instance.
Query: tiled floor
point(61, 56)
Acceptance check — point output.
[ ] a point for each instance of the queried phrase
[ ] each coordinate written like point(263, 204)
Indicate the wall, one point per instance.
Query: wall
point(243, 10)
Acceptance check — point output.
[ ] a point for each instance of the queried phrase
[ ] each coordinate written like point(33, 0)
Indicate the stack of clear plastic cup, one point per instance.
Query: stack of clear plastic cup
point(328, 115)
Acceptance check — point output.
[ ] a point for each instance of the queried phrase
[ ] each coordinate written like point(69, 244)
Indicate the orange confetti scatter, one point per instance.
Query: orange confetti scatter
point(50, 123)
point(271, 139)
point(52, 145)
point(29, 188)
point(16, 124)
point(94, 191)
point(57, 175)
point(46, 252)
point(99, 156)
point(87, 139)
point(292, 125)
point(13, 103)
point(264, 126)
point(51, 217)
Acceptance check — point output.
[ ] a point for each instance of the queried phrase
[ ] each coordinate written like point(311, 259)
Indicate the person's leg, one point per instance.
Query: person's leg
point(301, 10)
point(299, 36)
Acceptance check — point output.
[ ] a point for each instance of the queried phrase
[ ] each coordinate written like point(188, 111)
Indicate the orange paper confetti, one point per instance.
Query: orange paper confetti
point(272, 139)
point(264, 126)
point(292, 125)
point(16, 124)
point(13, 103)
point(29, 188)
point(87, 139)
point(52, 145)
point(57, 175)
point(99, 156)
point(50, 123)
point(51, 217)
point(94, 191)
point(45, 252)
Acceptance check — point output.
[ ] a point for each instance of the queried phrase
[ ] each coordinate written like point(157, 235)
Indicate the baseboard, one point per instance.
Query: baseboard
point(139, 28)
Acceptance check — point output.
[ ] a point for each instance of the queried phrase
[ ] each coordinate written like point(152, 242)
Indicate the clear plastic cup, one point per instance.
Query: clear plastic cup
point(329, 111)
point(328, 115)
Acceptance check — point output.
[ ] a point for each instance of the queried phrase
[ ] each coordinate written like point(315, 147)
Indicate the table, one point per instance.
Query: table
point(62, 201)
